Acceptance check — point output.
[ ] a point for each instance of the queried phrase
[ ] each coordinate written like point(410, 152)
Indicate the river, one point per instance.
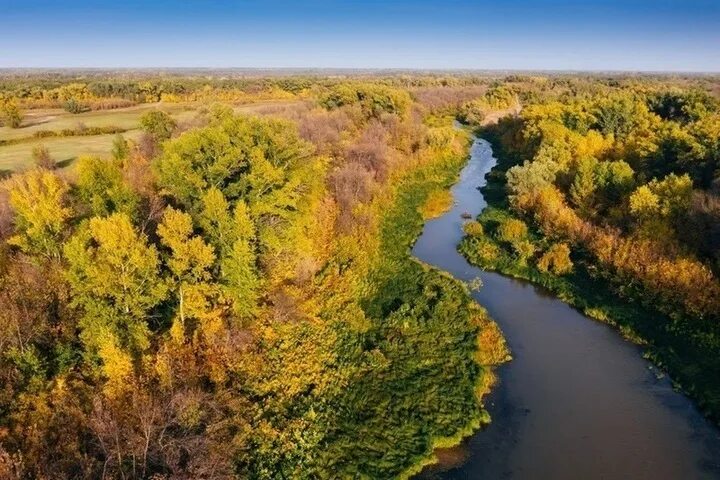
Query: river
point(577, 401)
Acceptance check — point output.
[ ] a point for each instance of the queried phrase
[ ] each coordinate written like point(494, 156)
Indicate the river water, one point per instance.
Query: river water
point(577, 401)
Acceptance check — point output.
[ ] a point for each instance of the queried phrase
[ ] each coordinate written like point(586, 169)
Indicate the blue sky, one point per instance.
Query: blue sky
point(547, 34)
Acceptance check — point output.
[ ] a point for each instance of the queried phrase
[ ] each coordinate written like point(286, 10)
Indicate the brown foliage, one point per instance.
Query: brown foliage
point(41, 157)
point(351, 184)
point(371, 151)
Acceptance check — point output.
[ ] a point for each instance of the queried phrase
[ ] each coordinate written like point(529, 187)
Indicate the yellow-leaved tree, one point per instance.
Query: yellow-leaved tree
point(114, 276)
point(41, 212)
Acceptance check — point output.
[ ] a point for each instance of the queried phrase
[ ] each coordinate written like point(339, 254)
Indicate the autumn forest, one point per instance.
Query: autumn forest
point(210, 276)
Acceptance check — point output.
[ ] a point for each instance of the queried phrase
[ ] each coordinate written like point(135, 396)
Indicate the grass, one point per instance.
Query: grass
point(58, 119)
point(17, 156)
point(63, 150)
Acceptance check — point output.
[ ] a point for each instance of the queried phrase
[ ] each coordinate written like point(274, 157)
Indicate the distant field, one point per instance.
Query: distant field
point(63, 150)
point(66, 149)
point(58, 119)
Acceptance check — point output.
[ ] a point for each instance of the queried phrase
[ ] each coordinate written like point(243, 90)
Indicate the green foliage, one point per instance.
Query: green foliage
point(158, 124)
point(113, 273)
point(74, 106)
point(373, 100)
point(241, 156)
point(101, 186)
point(120, 148)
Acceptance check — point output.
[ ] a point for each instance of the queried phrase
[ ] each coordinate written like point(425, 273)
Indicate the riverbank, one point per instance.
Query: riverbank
point(475, 336)
point(669, 343)
point(577, 401)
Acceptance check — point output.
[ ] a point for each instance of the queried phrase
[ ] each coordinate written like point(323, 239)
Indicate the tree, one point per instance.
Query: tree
point(644, 203)
point(114, 276)
point(556, 259)
point(120, 148)
point(667, 198)
point(10, 114)
point(189, 261)
point(158, 124)
point(38, 198)
point(583, 186)
point(233, 236)
point(101, 186)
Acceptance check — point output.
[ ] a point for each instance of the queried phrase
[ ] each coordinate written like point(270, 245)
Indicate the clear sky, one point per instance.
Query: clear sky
point(672, 35)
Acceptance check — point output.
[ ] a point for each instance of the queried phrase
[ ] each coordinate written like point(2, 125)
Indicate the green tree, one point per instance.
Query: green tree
point(158, 124)
point(582, 190)
point(100, 185)
point(233, 236)
point(120, 148)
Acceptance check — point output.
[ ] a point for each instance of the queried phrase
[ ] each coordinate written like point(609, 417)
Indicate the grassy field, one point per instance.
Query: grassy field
point(62, 150)
point(16, 156)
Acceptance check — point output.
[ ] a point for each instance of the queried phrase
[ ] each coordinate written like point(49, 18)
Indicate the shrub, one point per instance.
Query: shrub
point(73, 106)
point(120, 148)
point(512, 230)
point(524, 249)
point(41, 157)
point(473, 229)
point(487, 251)
point(556, 259)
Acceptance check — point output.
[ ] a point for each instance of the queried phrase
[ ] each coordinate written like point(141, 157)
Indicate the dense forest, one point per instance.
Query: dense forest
point(608, 193)
point(227, 292)
point(234, 296)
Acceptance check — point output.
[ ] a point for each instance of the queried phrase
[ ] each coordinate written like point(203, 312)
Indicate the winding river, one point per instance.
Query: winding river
point(577, 401)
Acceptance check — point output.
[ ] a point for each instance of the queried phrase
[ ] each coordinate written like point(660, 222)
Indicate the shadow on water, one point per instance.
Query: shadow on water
point(577, 401)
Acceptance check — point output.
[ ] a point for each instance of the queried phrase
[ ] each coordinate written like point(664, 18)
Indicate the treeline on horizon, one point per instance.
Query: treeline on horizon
point(235, 298)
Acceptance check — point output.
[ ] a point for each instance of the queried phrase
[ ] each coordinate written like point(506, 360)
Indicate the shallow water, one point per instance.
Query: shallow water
point(577, 401)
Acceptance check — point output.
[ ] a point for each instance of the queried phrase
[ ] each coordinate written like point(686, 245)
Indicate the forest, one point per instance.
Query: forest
point(606, 193)
point(210, 277)
point(231, 294)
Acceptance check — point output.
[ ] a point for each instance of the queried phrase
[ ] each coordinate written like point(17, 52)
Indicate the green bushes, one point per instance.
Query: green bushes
point(373, 100)
point(473, 229)
point(74, 106)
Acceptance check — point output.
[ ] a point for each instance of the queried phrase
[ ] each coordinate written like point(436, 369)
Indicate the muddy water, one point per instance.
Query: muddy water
point(577, 401)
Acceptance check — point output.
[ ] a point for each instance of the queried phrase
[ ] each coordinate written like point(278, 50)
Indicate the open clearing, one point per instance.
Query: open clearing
point(17, 156)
